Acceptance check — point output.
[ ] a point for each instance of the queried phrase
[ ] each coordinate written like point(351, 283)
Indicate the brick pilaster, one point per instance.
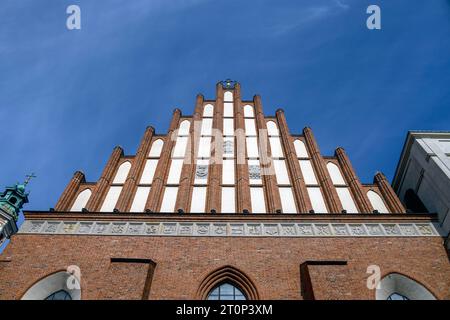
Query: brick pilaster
point(269, 180)
point(130, 186)
point(242, 176)
point(105, 180)
point(328, 189)
point(68, 196)
point(156, 192)
point(298, 182)
point(214, 193)
point(395, 206)
point(188, 171)
point(356, 188)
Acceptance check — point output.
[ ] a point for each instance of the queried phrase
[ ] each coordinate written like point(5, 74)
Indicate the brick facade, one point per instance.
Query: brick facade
point(270, 266)
point(181, 264)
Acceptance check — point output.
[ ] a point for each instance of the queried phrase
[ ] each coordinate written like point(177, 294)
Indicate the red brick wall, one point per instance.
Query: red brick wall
point(273, 264)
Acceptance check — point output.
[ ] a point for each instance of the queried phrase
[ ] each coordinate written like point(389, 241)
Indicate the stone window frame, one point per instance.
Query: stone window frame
point(227, 274)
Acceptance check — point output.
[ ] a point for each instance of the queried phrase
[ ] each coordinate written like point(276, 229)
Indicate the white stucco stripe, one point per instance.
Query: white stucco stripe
point(230, 229)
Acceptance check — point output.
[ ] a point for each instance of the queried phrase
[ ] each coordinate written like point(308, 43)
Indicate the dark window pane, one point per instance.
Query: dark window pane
point(59, 295)
point(226, 291)
point(396, 296)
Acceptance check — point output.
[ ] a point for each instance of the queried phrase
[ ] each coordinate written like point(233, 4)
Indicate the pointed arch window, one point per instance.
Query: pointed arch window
point(59, 295)
point(54, 287)
point(227, 283)
point(396, 286)
point(226, 291)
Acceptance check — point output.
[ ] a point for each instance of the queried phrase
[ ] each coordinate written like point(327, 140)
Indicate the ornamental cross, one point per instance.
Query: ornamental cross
point(28, 178)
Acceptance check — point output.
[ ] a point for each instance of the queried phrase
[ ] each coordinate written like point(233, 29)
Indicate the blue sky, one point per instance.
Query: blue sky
point(68, 97)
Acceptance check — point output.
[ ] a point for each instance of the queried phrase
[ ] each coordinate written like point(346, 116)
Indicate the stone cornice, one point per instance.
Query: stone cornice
point(238, 217)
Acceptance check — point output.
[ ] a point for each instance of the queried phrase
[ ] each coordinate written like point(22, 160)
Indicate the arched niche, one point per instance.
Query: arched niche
point(335, 174)
point(228, 96)
point(81, 200)
point(377, 202)
point(208, 110)
point(248, 111)
point(272, 128)
point(300, 149)
point(396, 283)
point(155, 150)
point(122, 172)
point(184, 128)
point(53, 283)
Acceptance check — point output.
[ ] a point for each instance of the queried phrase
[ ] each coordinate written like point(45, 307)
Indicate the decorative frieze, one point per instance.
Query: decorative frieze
point(229, 229)
point(228, 147)
point(201, 172)
point(254, 172)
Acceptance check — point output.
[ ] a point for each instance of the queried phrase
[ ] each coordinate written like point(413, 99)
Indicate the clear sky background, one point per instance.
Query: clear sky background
point(68, 97)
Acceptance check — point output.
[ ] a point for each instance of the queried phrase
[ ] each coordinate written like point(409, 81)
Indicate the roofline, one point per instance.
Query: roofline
point(429, 132)
point(303, 217)
point(410, 136)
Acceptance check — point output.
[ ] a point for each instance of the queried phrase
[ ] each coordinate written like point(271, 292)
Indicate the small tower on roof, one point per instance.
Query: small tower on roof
point(11, 202)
